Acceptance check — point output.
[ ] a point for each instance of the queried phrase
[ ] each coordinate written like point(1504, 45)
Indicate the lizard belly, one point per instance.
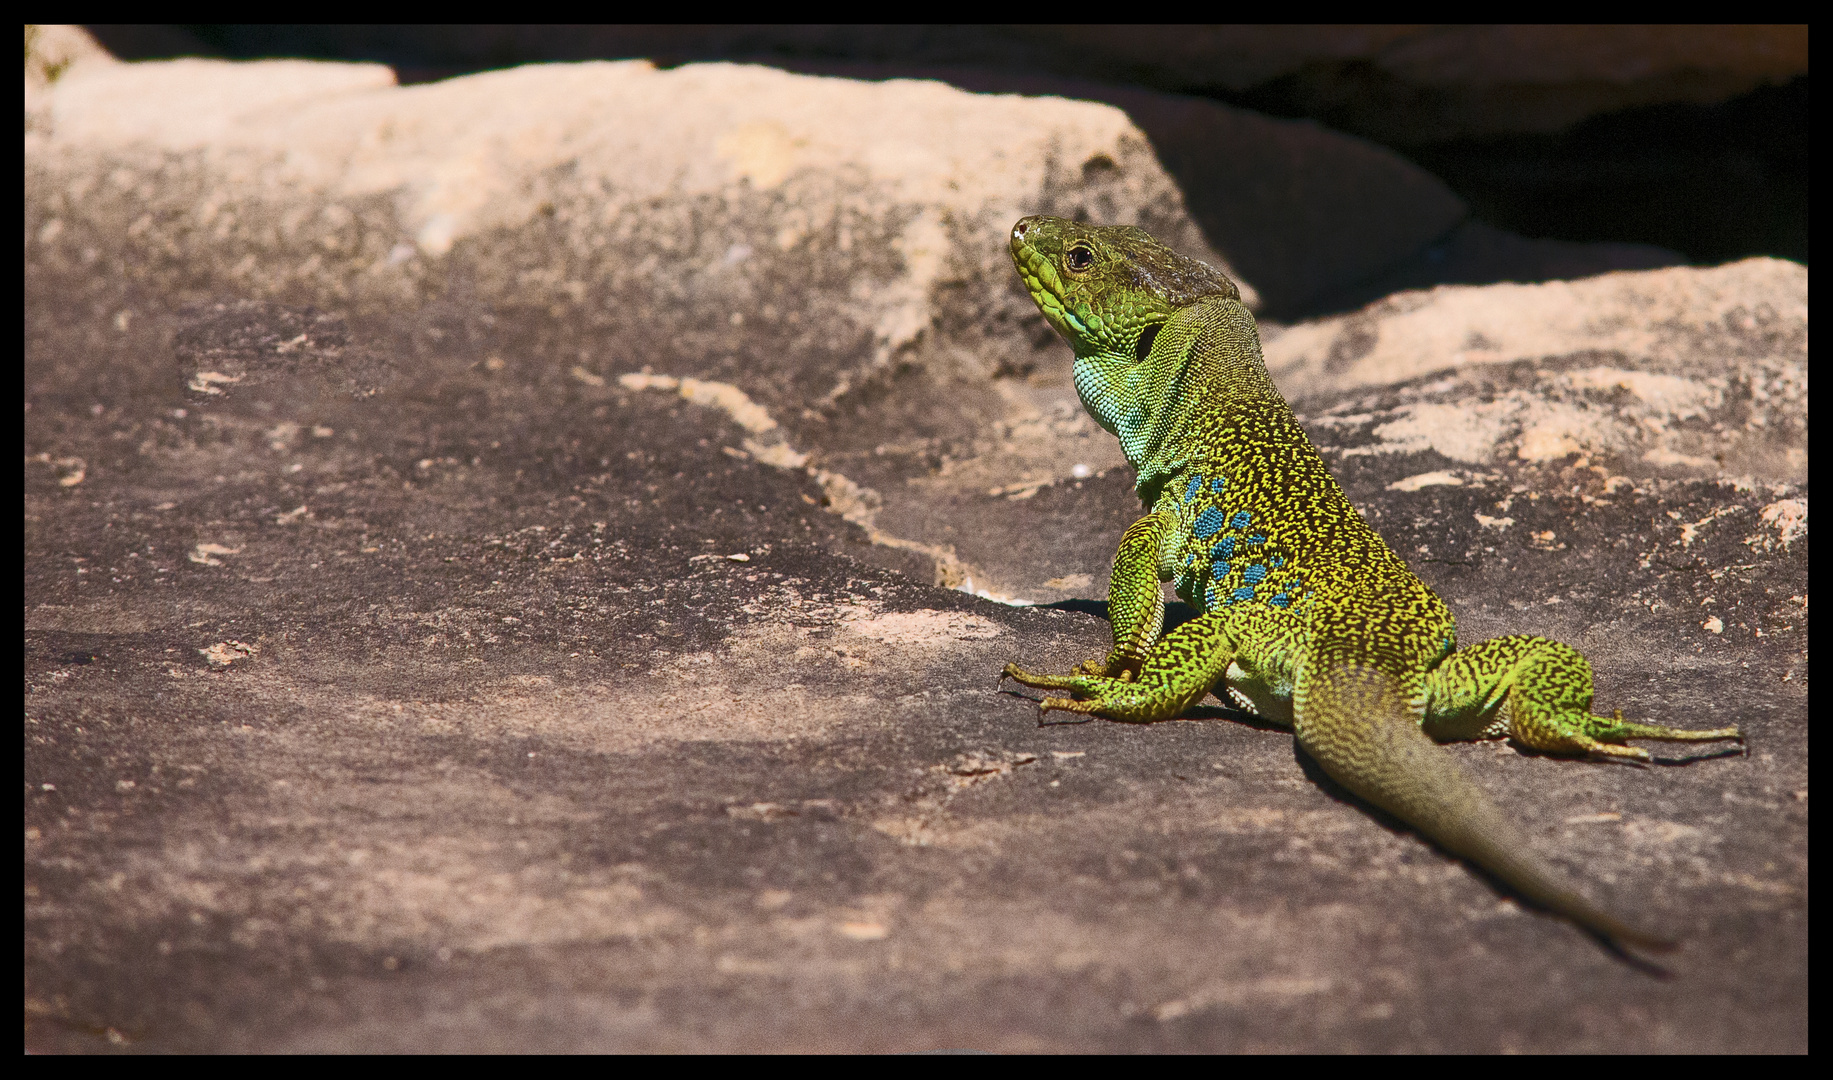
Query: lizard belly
point(1257, 693)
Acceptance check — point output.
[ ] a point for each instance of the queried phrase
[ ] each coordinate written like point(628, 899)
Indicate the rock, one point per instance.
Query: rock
point(702, 222)
point(1673, 372)
point(447, 627)
point(1305, 213)
point(892, 232)
point(459, 159)
point(1308, 215)
point(51, 52)
point(1435, 84)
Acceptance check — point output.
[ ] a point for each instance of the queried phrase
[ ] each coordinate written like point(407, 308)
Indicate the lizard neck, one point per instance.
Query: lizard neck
point(1204, 365)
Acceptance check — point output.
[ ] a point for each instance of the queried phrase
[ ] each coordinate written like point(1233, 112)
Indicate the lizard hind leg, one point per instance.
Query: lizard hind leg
point(1539, 692)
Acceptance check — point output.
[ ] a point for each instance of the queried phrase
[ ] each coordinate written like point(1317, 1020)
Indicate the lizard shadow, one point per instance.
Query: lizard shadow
point(1325, 783)
point(1195, 712)
point(1097, 608)
point(1740, 750)
point(1178, 613)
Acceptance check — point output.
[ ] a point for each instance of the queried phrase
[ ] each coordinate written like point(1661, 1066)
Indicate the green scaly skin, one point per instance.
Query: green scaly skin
point(1308, 618)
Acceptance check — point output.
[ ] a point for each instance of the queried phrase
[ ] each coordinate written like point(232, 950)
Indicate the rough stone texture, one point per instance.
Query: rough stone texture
point(1676, 372)
point(1314, 219)
point(835, 250)
point(408, 668)
point(788, 203)
point(1693, 139)
point(52, 51)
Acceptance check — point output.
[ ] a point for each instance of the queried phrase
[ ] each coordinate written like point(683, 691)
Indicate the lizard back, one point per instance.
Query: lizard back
point(1260, 519)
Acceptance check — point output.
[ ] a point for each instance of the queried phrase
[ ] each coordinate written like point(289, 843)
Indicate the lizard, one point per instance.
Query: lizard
point(1306, 617)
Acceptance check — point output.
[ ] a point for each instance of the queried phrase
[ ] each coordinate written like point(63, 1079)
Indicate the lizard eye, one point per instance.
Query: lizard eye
point(1080, 257)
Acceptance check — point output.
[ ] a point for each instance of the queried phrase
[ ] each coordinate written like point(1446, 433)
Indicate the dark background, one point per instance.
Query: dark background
point(1698, 146)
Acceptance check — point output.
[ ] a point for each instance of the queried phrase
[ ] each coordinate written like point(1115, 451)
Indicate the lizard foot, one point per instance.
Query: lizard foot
point(1601, 751)
point(1617, 729)
point(1040, 682)
point(1607, 737)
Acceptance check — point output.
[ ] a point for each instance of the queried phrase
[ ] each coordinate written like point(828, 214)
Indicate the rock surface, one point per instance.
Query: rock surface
point(481, 592)
point(1677, 372)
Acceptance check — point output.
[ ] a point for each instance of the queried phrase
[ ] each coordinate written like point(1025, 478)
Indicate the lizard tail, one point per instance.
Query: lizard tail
point(1360, 725)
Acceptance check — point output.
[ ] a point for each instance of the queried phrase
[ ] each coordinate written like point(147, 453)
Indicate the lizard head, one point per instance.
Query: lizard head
point(1108, 290)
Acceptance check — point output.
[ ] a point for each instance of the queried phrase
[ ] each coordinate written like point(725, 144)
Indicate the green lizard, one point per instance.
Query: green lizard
point(1307, 617)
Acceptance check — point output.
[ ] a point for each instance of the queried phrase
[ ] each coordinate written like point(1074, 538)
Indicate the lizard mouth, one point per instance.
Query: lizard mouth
point(1044, 285)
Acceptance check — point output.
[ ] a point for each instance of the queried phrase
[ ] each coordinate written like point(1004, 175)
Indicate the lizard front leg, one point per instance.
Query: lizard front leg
point(1172, 677)
point(1186, 664)
point(1537, 691)
point(1135, 606)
